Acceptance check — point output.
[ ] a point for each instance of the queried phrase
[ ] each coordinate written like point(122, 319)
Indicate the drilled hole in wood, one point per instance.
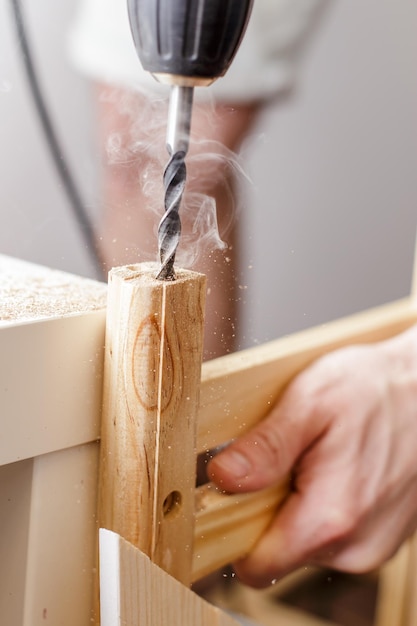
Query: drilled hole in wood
point(172, 503)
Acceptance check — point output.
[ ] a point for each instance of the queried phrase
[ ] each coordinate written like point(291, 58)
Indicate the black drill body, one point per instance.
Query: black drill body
point(188, 38)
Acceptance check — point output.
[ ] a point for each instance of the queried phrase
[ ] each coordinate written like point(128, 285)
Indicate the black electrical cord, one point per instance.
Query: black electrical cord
point(60, 162)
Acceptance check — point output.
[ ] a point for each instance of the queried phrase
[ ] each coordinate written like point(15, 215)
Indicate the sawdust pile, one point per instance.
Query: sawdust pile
point(30, 292)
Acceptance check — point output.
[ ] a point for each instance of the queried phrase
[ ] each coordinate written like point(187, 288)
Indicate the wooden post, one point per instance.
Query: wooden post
point(154, 339)
point(51, 358)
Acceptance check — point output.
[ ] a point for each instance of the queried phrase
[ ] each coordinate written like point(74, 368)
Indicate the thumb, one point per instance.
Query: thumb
point(266, 453)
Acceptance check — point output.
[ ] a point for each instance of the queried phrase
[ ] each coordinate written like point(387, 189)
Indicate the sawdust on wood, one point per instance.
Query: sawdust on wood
point(31, 292)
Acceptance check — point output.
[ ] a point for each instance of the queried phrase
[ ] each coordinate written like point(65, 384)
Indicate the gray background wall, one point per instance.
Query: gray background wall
point(335, 175)
point(330, 222)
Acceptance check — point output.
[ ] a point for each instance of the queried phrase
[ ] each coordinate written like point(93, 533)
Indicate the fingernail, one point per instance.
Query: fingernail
point(234, 463)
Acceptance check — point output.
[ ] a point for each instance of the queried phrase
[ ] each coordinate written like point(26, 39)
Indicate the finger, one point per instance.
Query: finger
point(306, 530)
point(273, 557)
point(267, 453)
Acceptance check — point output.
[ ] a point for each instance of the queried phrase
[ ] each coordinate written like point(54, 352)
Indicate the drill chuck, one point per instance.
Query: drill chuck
point(188, 42)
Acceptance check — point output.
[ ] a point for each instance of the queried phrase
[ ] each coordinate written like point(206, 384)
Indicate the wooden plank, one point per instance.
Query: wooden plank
point(58, 363)
point(238, 390)
point(51, 355)
point(228, 526)
point(136, 592)
point(154, 339)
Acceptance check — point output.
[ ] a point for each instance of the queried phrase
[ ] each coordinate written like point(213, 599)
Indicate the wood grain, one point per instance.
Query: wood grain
point(135, 592)
point(229, 525)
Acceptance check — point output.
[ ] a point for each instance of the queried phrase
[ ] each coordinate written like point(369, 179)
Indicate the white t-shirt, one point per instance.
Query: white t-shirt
point(101, 46)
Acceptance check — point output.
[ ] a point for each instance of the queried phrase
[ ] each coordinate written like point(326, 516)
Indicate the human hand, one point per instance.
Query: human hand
point(347, 429)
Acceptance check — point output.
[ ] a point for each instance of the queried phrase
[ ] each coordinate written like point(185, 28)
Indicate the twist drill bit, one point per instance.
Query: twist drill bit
point(169, 229)
point(178, 136)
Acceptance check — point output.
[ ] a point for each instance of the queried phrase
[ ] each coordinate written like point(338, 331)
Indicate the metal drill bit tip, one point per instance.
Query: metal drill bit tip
point(169, 230)
point(178, 134)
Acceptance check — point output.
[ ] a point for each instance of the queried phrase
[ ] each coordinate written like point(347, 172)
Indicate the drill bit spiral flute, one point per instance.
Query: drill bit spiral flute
point(178, 132)
point(184, 44)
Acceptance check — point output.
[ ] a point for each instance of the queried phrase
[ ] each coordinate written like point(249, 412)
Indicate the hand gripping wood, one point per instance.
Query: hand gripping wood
point(146, 493)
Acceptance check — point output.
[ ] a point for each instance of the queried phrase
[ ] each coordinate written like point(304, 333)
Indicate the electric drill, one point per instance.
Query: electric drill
point(184, 44)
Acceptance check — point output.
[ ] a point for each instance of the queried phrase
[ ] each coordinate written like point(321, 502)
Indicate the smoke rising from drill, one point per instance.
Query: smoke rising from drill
point(212, 171)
